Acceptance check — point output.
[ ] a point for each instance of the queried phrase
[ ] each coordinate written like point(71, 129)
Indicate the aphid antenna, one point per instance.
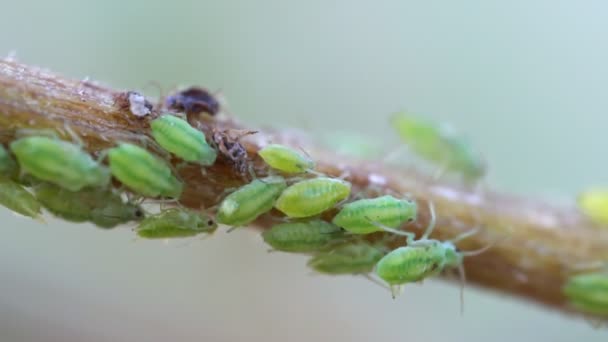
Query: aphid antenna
point(410, 236)
point(432, 221)
point(463, 281)
point(375, 281)
point(483, 249)
point(465, 235)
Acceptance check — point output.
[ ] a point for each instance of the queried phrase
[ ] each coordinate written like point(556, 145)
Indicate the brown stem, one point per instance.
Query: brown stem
point(538, 245)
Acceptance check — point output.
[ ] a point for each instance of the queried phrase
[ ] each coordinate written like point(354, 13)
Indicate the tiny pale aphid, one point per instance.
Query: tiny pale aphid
point(588, 292)
point(250, 201)
point(16, 198)
point(59, 162)
point(143, 172)
point(102, 207)
point(389, 211)
point(594, 203)
point(348, 258)
point(286, 159)
point(176, 223)
point(178, 137)
point(302, 237)
point(312, 196)
point(439, 144)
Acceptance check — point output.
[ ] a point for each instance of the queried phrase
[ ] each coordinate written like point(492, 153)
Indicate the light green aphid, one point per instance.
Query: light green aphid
point(59, 162)
point(439, 144)
point(285, 159)
point(302, 237)
point(102, 207)
point(16, 198)
point(176, 223)
point(143, 172)
point(312, 196)
point(178, 137)
point(250, 201)
point(594, 203)
point(588, 292)
point(357, 217)
point(349, 258)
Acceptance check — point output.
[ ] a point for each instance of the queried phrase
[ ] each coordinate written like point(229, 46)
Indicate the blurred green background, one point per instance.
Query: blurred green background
point(525, 79)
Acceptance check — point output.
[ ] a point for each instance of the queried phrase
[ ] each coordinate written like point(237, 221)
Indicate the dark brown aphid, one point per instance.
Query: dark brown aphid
point(193, 101)
point(228, 145)
point(133, 101)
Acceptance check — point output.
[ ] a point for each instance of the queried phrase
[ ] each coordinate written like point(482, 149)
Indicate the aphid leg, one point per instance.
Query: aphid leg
point(410, 236)
point(375, 281)
point(251, 171)
point(432, 221)
point(465, 235)
point(396, 290)
point(231, 229)
point(463, 280)
point(75, 137)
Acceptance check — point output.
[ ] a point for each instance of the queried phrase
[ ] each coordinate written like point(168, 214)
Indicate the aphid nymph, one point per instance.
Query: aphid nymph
point(312, 196)
point(286, 159)
point(176, 223)
point(16, 198)
point(389, 211)
point(302, 237)
point(348, 258)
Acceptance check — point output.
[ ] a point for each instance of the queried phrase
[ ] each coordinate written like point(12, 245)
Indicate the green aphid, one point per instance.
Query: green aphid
point(250, 201)
point(357, 217)
point(439, 144)
point(588, 292)
point(349, 258)
point(16, 198)
point(302, 237)
point(143, 172)
point(176, 223)
point(59, 162)
point(102, 207)
point(178, 137)
point(285, 159)
point(312, 196)
point(7, 164)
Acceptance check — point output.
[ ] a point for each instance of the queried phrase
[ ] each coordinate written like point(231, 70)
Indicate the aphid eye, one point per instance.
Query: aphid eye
point(139, 213)
point(210, 223)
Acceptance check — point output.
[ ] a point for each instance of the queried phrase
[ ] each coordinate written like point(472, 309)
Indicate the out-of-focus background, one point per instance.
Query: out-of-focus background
point(525, 79)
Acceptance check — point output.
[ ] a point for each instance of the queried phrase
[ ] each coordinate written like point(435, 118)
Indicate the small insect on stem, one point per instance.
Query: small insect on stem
point(178, 137)
point(229, 147)
point(303, 237)
point(312, 196)
point(16, 198)
point(588, 293)
point(102, 207)
point(348, 258)
point(176, 223)
point(358, 217)
point(135, 102)
point(143, 172)
point(285, 159)
point(59, 162)
point(193, 101)
point(440, 144)
point(594, 204)
point(250, 201)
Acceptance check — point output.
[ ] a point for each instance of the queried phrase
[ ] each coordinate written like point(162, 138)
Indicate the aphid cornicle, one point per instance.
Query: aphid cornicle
point(176, 223)
point(439, 144)
point(16, 198)
point(59, 162)
point(285, 159)
point(302, 237)
point(178, 137)
point(102, 207)
point(389, 211)
point(348, 258)
point(588, 292)
point(594, 203)
point(143, 172)
point(312, 196)
point(250, 201)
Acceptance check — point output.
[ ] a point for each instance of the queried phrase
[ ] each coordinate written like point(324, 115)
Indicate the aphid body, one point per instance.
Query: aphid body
point(193, 100)
point(594, 203)
point(59, 162)
point(439, 144)
point(358, 217)
point(312, 196)
point(250, 201)
point(301, 237)
point(143, 172)
point(285, 159)
point(588, 292)
point(178, 137)
point(102, 207)
point(176, 223)
point(16, 198)
point(348, 258)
